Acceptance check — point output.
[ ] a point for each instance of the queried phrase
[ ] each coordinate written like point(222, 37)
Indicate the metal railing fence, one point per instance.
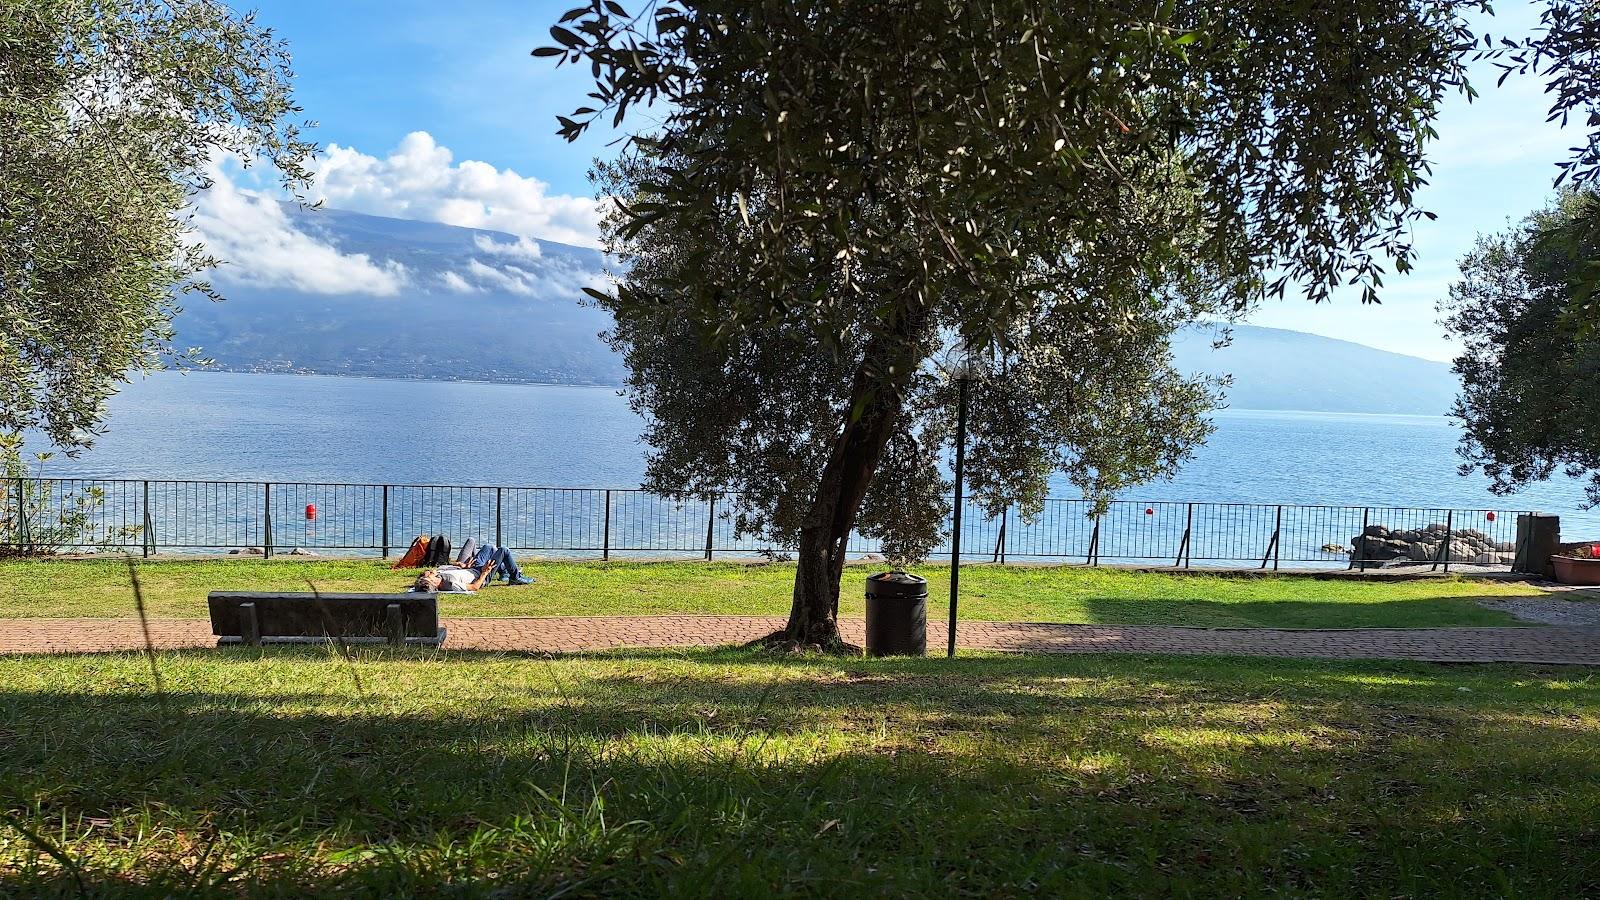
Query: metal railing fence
point(277, 517)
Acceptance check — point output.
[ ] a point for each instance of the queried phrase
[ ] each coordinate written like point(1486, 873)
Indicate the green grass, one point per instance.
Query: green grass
point(177, 589)
point(296, 772)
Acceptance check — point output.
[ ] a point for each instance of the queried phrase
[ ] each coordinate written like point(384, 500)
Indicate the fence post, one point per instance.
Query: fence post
point(1277, 544)
point(499, 532)
point(711, 521)
point(149, 526)
point(266, 519)
point(1183, 548)
point(605, 540)
point(1361, 545)
point(22, 520)
point(24, 534)
point(386, 521)
point(1444, 549)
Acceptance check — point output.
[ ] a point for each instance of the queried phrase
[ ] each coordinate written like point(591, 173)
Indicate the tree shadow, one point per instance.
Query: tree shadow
point(731, 773)
point(1426, 612)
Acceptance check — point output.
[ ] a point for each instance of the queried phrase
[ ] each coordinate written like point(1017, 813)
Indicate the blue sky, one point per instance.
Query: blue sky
point(374, 74)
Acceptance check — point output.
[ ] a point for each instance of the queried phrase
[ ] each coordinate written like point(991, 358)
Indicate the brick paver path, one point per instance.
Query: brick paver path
point(1567, 644)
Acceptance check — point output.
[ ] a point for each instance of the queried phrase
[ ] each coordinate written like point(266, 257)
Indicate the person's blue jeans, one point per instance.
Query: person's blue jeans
point(505, 565)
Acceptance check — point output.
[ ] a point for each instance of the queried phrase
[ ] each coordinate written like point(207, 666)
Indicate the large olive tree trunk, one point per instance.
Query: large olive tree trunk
point(877, 395)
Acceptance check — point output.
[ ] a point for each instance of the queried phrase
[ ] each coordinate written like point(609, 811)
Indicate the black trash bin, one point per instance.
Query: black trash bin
point(897, 615)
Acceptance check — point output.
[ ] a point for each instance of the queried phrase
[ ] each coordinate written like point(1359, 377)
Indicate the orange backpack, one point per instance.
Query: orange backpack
point(414, 557)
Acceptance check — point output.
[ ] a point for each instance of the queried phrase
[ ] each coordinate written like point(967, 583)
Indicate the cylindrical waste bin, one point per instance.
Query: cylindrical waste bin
point(897, 615)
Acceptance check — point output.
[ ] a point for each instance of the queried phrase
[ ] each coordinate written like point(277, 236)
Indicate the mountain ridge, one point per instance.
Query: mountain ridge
point(482, 305)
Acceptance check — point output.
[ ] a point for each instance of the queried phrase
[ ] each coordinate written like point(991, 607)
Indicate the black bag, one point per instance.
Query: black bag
point(438, 551)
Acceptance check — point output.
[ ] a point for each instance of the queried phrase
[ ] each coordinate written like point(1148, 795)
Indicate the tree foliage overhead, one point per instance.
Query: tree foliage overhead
point(111, 112)
point(836, 197)
point(1565, 50)
point(1530, 367)
point(1301, 128)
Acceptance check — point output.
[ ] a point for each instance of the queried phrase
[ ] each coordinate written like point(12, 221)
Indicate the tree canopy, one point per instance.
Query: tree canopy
point(1530, 364)
point(1565, 51)
point(835, 196)
point(111, 112)
point(1527, 305)
point(1084, 386)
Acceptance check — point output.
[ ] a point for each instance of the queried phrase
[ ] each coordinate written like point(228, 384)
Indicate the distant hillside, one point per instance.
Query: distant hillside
point(1274, 368)
point(481, 305)
point(478, 305)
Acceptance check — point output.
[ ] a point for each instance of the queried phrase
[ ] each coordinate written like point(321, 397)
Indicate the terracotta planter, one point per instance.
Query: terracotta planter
point(1576, 569)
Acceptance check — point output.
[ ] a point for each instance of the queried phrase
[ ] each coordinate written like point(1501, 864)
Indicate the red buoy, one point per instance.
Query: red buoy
point(311, 512)
point(1489, 516)
point(1149, 510)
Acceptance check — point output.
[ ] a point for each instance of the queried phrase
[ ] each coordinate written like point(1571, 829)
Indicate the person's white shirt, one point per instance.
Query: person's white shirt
point(456, 579)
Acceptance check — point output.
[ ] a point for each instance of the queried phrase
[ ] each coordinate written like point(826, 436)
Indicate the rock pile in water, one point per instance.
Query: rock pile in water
point(1378, 544)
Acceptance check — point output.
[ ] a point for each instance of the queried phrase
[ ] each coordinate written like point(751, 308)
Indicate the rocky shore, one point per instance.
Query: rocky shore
point(1378, 545)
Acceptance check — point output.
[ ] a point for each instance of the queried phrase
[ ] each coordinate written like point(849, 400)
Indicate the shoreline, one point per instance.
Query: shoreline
point(405, 379)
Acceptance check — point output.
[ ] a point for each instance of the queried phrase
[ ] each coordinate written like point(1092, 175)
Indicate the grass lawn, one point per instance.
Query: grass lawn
point(297, 772)
point(177, 589)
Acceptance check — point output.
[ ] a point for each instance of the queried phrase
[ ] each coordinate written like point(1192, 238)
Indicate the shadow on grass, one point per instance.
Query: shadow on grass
point(1430, 612)
point(729, 773)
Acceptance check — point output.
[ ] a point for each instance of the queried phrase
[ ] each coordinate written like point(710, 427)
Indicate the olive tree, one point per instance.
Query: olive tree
point(834, 196)
point(111, 112)
point(1527, 306)
point(1530, 362)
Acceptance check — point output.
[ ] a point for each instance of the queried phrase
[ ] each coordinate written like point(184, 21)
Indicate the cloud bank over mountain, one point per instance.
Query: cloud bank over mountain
point(266, 243)
point(421, 181)
point(262, 245)
point(369, 295)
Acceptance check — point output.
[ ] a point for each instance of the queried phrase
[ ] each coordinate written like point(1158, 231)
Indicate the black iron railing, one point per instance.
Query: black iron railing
point(276, 517)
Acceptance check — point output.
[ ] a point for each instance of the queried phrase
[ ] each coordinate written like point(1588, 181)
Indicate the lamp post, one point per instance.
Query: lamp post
point(962, 376)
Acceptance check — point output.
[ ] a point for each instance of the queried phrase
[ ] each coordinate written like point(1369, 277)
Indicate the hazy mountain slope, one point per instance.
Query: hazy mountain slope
point(1274, 368)
point(507, 313)
point(484, 305)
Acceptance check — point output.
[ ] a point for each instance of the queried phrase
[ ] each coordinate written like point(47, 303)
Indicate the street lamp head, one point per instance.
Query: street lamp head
point(957, 364)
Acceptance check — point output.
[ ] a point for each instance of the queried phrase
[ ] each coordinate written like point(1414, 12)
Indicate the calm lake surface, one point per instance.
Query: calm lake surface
point(327, 429)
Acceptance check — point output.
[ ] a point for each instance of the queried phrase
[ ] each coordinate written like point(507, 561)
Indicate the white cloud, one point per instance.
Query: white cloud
point(420, 180)
point(260, 245)
point(264, 243)
point(509, 278)
point(523, 248)
point(458, 285)
point(549, 278)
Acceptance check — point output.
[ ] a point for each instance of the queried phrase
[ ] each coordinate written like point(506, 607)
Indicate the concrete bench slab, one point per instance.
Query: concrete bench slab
point(288, 617)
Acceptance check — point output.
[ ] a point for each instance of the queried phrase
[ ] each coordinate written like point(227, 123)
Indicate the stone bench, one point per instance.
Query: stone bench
point(274, 617)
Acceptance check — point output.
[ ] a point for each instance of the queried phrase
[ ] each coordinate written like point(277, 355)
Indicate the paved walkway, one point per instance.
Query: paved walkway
point(1579, 645)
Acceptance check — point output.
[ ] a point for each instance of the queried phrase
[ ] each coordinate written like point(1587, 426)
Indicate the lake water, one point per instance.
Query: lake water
point(287, 428)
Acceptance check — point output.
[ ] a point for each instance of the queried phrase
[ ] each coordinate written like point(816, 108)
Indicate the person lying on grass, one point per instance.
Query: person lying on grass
point(472, 571)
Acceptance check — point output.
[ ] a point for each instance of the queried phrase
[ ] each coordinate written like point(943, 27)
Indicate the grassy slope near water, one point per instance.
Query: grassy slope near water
point(177, 589)
point(296, 773)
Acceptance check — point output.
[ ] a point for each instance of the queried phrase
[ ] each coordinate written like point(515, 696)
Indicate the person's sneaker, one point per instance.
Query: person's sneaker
point(523, 580)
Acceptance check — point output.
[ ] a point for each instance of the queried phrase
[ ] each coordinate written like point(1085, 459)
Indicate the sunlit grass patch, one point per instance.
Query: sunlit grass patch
point(178, 588)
